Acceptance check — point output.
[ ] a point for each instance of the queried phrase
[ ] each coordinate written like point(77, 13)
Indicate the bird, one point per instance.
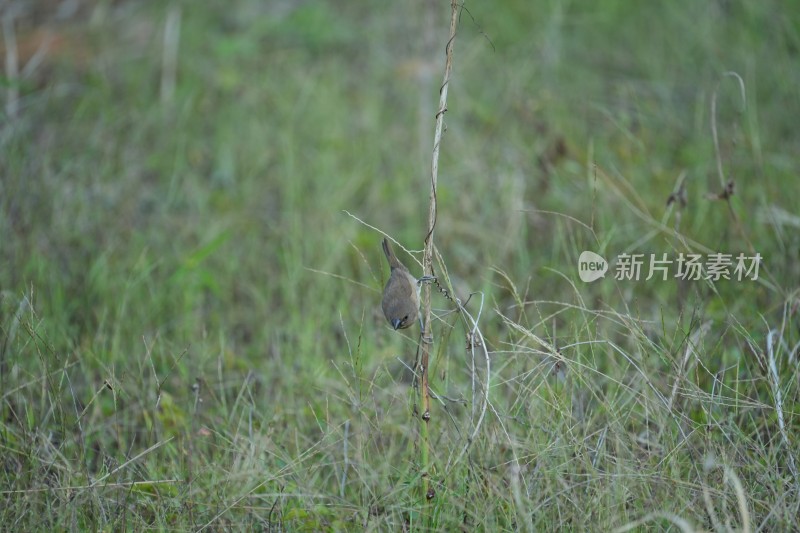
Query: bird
point(400, 302)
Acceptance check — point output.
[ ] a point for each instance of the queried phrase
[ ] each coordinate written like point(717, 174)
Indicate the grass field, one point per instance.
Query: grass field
point(192, 199)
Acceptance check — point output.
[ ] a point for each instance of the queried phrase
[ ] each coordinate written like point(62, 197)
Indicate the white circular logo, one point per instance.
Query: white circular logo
point(591, 266)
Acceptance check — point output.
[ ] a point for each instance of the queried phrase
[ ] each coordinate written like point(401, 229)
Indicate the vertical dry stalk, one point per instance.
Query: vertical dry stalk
point(727, 185)
point(775, 384)
point(714, 135)
point(427, 260)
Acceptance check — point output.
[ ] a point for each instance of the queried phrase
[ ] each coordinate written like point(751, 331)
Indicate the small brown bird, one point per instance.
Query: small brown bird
point(401, 295)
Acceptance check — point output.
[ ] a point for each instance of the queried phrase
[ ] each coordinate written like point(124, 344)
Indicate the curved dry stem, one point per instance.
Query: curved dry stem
point(427, 257)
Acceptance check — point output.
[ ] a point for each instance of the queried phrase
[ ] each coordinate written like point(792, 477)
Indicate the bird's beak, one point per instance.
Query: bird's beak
point(396, 323)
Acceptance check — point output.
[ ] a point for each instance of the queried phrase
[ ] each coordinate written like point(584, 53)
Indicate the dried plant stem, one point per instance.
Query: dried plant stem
point(775, 384)
point(727, 187)
point(427, 260)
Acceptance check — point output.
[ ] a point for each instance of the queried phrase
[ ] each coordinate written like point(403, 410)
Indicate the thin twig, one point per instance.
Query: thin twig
point(776, 393)
point(477, 340)
point(714, 135)
point(120, 485)
point(427, 257)
point(346, 459)
point(152, 448)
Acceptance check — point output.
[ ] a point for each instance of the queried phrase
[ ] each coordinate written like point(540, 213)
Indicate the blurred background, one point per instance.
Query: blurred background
point(191, 195)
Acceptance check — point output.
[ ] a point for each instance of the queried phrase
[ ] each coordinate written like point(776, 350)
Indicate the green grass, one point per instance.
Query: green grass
point(190, 324)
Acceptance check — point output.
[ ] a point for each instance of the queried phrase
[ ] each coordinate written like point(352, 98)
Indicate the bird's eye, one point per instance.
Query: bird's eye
point(405, 318)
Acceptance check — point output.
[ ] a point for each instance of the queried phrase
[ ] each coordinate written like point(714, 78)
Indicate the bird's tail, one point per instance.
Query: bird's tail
point(394, 262)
